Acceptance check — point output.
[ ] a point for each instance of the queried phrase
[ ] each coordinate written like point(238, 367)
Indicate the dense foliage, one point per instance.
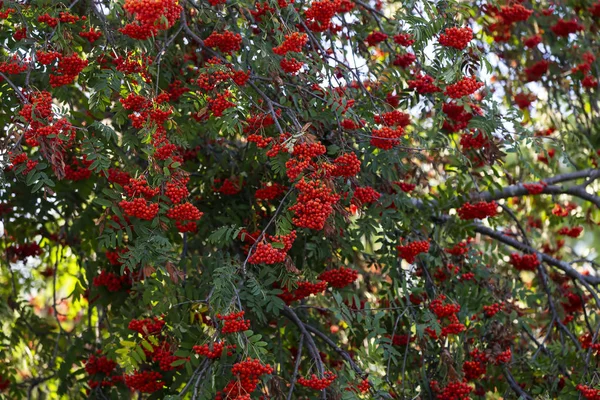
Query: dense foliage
point(343, 199)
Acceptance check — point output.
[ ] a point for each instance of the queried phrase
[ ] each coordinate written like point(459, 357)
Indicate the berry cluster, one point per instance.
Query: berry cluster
point(101, 371)
point(147, 326)
point(112, 281)
point(313, 205)
point(68, 68)
point(404, 60)
point(215, 350)
point(404, 39)
point(526, 262)
point(266, 253)
point(23, 250)
point(303, 290)
point(455, 391)
point(571, 232)
point(480, 210)
point(47, 58)
point(588, 393)
point(404, 186)
point(219, 103)
point(150, 16)
point(470, 141)
point(234, 322)
point(293, 43)
point(534, 188)
point(227, 42)
point(393, 118)
point(229, 187)
point(374, 38)
point(490, 311)
point(318, 383)
point(320, 13)
point(465, 87)
point(184, 212)
point(91, 34)
point(532, 41)
point(537, 70)
point(269, 191)
point(386, 138)
point(339, 278)
point(291, 65)
point(514, 13)
point(423, 84)
point(564, 28)
point(145, 381)
point(365, 195)
point(248, 373)
point(524, 100)
point(458, 38)
point(139, 208)
point(411, 250)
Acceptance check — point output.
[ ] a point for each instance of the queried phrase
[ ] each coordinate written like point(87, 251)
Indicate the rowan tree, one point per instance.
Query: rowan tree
point(330, 199)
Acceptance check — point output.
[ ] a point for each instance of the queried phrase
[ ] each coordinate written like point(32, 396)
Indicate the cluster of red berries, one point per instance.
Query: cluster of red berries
point(47, 19)
point(442, 310)
point(404, 60)
point(269, 191)
point(471, 141)
point(564, 28)
point(386, 138)
point(340, 277)
point(139, 208)
point(164, 357)
point(526, 262)
point(68, 68)
point(405, 186)
point(21, 158)
point(465, 87)
point(586, 342)
point(313, 205)
point(227, 42)
point(318, 383)
point(404, 39)
point(219, 103)
point(13, 67)
point(176, 190)
point(514, 13)
point(365, 195)
point(23, 250)
point(480, 210)
point(423, 84)
point(145, 381)
point(393, 118)
point(374, 38)
point(101, 369)
point(402, 340)
point(320, 13)
point(91, 35)
point(410, 251)
point(534, 188)
point(4, 14)
point(537, 70)
point(147, 326)
point(234, 322)
point(293, 43)
point(47, 57)
point(563, 212)
point(112, 281)
point(266, 253)
point(453, 391)
point(150, 17)
point(571, 232)
point(491, 310)
point(532, 41)
point(303, 290)
point(291, 65)
point(459, 249)
point(248, 373)
point(524, 100)
point(473, 369)
point(184, 212)
point(215, 350)
point(229, 187)
point(458, 38)
point(459, 116)
point(588, 393)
